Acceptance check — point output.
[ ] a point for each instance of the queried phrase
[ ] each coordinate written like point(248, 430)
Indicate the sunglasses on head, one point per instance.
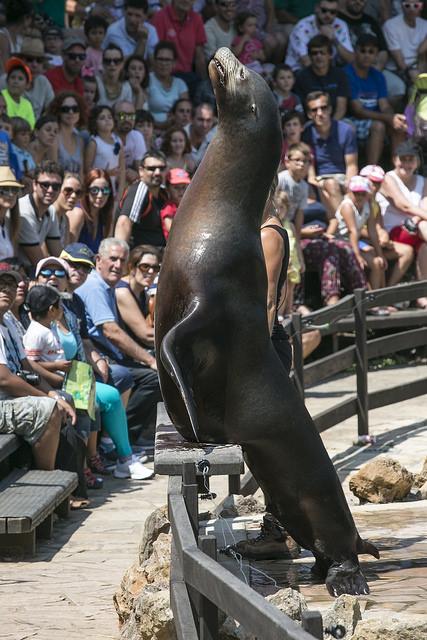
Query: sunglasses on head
point(77, 56)
point(70, 108)
point(55, 186)
point(109, 61)
point(69, 190)
point(47, 273)
point(144, 267)
point(333, 12)
point(95, 190)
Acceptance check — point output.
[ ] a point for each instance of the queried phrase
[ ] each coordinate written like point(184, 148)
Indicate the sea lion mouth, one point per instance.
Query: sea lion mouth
point(221, 71)
point(224, 68)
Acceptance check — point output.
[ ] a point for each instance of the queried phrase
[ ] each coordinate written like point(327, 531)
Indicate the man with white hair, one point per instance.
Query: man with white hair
point(131, 366)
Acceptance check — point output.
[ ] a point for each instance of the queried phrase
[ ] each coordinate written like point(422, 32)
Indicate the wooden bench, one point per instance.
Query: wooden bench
point(171, 450)
point(28, 500)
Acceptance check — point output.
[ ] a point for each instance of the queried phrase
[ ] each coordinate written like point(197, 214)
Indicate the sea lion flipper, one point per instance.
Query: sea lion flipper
point(177, 370)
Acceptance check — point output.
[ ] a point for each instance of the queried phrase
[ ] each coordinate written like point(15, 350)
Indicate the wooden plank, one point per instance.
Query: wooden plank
point(19, 525)
point(397, 320)
point(399, 293)
point(399, 393)
point(248, 485)
point(328, 366)
point(397, 342)
point(339, 412)
point(361, 359)
point(17, 543)
point(182, 613)
point(45, 528)
point(208, 612)
point(328, 315)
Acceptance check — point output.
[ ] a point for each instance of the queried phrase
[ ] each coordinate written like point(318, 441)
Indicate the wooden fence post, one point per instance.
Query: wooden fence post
point(361, 362)
point(312, 623)
point(298, 353)
point(208, 612)
point(190, 495)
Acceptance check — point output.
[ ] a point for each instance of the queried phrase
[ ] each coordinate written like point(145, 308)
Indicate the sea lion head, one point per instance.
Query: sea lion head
point(241, 94)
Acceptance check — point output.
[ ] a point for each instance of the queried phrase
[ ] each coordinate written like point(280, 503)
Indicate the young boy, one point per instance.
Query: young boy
point(292, 128)
point(53, 41)
point(18, 80)
point(283, 80)
point(144, 123)
point(95, 29)
point(21, 139)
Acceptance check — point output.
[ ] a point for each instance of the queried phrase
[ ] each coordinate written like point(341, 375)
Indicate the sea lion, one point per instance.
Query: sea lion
point(220, 376)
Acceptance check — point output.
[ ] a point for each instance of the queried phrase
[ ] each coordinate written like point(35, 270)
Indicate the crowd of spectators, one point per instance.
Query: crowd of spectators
point(106, 111)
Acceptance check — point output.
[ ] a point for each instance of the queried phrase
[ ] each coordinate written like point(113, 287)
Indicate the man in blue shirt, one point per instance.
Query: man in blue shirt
point(123, 353)
point(334, 147)
point(373, 115)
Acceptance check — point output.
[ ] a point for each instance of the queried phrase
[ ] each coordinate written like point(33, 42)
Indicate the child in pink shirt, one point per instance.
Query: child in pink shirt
point(245, 46)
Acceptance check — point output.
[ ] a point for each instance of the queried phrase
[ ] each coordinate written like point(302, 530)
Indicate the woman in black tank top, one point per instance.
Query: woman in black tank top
point(275, 244)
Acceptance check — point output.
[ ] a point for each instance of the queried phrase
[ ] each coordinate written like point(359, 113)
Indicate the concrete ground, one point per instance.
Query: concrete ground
point(66, 590)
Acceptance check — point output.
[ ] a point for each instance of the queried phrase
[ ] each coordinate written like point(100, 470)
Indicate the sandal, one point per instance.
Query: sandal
point(96, 465)
point(92, 482)
point(78, 503)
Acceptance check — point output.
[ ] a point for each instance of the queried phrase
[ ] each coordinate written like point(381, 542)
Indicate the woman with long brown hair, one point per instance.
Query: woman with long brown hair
point(177, 149)
point(93, 220)
point(70, 110)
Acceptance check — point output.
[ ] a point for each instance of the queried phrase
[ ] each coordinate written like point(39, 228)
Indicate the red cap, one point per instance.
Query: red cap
point(16, 63)
point(178, 176)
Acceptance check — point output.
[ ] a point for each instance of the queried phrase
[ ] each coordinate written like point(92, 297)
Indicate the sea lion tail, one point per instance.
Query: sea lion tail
point(364, 546)
point(171, 343)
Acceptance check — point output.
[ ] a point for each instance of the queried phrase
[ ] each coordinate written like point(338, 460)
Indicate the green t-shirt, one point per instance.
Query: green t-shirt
point(298, 8)
point(21, 109)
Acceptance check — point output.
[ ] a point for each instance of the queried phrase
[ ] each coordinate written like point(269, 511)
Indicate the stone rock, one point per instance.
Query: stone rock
point(151, 618)
point(137, 577)
point(381, 480)
point(290, 602)
point(422, 492)
point(421, 478)
point(345, 611)
point(232, 630)
point(234, 506)
point(390, 629)
point(156, 523)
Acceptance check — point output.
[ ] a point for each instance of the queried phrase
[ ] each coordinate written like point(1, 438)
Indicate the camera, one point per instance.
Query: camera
point(29, 376)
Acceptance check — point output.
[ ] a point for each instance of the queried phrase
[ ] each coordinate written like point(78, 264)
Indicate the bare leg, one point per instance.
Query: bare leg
point(44, 450)
point(330, 195)
point(375, 143)
point(421, 266)
point(125, 397)
point(403, 254)
point(91, 444)
point(310, 342)
point(376, 272)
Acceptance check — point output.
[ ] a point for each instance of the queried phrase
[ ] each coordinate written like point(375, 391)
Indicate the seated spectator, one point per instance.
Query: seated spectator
point(39, 233)
point(136, 73)
point(182, 112)
point(133, 141)
point(132, 33)
point(144, 123)
point(322, 75)
point(273, 41)
point(292, 128)
point(246, 47)
point(124, 354)
point(335, 150)
point(283, 80)
point(406, 36)
point(104, 149)
point(21, 139)
point(26, 410)
point(18, 80)
point(90, 92)
point(19, 16)
point(179, 24)
point(53, 42)
point(67, 201)
point(9, 213)
point(177, 149)
point(70, 110)
point(7, 155)
point(39, 92)
point(138, 220)
point(45, 143)
point(67, 76)
point(164, 89)
point(95, 28)
point(360, 24)
point(132, 297)
point(372, 113)
point(177, 181)
point(403, 202)
point(400, 254)
point(111, 87)
point(201, 131)
point(220, 29)
point(353, 214)
point(92, 221)
point(324, 20)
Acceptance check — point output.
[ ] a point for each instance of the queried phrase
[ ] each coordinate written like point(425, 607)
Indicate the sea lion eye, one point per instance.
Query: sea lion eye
point(254, 109)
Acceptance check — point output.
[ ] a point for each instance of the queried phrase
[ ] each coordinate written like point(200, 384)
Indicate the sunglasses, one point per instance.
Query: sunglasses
point(78, 266)
point(110, 61)
point(412, 5)
point(31, 59)
point(9, 191)
point(76, 56)
point(160, 167)
point(70, 108)
point(333, 12)
point(55, 186)
point(144, 267)
point(58, 273)
point(69, 190)
point(95, 190)
point(122, 115)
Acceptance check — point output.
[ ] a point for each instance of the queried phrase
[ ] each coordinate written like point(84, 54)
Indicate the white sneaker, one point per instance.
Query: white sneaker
point(133, 469)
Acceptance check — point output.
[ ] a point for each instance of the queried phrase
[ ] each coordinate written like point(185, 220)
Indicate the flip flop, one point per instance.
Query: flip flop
point(78, 503)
